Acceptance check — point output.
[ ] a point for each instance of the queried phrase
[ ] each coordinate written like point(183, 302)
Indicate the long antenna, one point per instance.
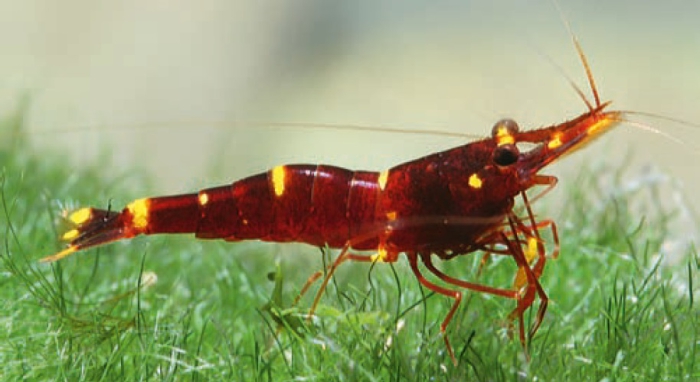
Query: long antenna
point(270, 124)
point(581, 55)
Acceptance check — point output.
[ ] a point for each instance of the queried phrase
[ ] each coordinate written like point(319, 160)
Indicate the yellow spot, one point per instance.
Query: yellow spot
point(80, 216)
point(70, 235)
point(593, 129)
point(391, 215)
point(530, 254)
point(555, 142)
point(383, 178)
point(520, 279)
point(139, 212)
point(245, 221)
point(381, 255)
point(475, 181)
point(278, 175)
point(532, 250)
point(203, 199)
point(503, 136)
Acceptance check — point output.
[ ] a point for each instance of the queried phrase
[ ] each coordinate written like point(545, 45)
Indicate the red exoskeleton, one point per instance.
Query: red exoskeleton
point(446, 204)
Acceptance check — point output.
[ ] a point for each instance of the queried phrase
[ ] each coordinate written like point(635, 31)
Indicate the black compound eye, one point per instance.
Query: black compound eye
point(504, 128)
point(506, 155)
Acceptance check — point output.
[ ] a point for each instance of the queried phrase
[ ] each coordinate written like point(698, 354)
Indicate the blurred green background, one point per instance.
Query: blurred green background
point(165, 88)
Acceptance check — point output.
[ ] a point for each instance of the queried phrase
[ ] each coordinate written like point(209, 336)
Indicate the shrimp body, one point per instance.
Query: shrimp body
point(446, 204)
point(451, 201)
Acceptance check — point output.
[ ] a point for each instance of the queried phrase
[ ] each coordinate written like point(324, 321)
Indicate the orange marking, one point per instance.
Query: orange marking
point(66, 252)
point(555, 142)
point(603, 123)
point(383, 178)
point(475, 181)
point(80, 216)
point(278, 176)
point(503, 136)
point(139, 210)
point(70, 235)
point(381, 254)
point(203, 199)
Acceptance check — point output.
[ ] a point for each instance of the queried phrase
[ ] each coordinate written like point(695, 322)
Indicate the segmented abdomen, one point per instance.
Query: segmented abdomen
point(314, 204)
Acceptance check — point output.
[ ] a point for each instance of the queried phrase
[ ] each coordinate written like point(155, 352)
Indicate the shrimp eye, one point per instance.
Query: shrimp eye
point(504, 128)
point(506, 155)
